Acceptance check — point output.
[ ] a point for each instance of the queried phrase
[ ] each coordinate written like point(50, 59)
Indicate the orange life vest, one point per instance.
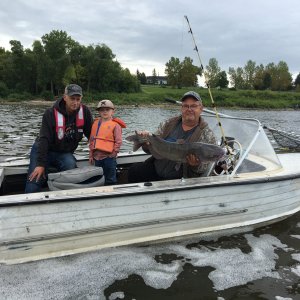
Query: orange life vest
point(60, 122)
point(120, 122)
point(102, 135)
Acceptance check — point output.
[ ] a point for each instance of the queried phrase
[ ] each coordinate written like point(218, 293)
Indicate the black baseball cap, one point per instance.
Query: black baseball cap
point(73, 89)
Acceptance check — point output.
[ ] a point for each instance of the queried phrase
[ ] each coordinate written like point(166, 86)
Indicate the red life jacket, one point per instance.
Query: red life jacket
point(60, 122)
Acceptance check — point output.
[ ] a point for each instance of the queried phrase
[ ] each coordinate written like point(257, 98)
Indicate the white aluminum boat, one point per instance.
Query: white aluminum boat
point(257, 187)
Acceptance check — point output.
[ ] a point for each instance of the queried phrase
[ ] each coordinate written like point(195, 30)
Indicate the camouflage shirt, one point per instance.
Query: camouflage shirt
point(172, 130)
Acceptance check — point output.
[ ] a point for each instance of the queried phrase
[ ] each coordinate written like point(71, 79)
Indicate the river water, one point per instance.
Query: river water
point(257, 264)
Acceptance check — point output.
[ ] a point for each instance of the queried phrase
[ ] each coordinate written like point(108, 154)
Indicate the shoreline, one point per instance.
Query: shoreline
point(45, 103)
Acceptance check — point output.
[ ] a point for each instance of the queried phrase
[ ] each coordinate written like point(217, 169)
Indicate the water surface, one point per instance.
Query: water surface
point(257, 264)
point(19, 124)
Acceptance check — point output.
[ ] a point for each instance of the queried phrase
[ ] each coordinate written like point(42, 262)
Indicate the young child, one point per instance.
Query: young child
point(106, 140)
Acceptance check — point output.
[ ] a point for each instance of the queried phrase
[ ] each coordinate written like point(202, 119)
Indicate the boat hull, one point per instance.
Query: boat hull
point(66, 222)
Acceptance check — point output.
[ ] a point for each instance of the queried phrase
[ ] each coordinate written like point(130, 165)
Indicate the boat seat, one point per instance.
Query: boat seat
point(84, 177)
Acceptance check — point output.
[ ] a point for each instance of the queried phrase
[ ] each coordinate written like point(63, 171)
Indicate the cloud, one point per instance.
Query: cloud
point(146, 34)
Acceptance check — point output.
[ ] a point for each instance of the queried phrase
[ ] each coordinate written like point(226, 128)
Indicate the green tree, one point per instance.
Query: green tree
point(41, 63)
point(297, 81)
point(222, 80)
point(2, 60)
point(128, 83)
point(154, 77)
point(138, 74)
point(89, 65)
point(22, 71)
point(17, 63)
point(236, 77)
point(172, 70)
point(76, 56)
point(70, 75)
point(3, 90)
point(188, 73)
point(6, 68)
point(143, 78)
point(211, 72)
point(258, 79)
point(249, 71)
point(267, 80)
point(57, 46)
point(281, 78)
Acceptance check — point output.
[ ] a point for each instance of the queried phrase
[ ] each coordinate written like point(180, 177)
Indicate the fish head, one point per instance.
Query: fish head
point(137, 140)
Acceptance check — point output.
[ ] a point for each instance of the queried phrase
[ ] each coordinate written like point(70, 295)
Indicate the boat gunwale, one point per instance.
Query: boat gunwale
point(142, 190)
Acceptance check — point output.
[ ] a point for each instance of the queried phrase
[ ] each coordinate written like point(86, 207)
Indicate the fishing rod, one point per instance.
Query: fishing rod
point(208, 87)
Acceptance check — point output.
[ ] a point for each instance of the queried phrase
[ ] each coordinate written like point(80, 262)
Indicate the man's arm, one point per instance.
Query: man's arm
point(195, 167)
point(88, 122)
point(45, 136)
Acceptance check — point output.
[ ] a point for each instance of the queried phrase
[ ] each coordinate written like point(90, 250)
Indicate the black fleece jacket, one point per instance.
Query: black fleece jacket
point(47, 139)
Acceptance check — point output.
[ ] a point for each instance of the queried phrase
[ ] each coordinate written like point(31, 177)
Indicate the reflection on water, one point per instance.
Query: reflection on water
point(19, 124)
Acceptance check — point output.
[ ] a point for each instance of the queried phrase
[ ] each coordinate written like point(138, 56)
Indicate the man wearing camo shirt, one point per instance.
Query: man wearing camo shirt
point(188, 127)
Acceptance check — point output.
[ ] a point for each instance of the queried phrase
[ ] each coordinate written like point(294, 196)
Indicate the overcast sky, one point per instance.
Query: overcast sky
point(145, 34)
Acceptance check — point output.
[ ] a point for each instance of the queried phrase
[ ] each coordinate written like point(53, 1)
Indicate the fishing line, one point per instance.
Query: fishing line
point(208, 87)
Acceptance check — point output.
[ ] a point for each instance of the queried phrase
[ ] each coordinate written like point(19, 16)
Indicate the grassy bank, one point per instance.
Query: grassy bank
point(223, 98)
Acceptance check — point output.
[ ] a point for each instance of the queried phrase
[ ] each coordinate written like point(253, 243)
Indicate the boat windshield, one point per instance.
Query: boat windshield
point(250, 137)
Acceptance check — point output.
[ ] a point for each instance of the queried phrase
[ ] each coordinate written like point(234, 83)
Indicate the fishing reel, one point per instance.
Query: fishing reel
point(227, 163)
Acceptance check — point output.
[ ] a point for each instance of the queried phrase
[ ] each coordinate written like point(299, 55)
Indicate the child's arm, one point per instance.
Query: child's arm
point(118, 140)
point(91, 157)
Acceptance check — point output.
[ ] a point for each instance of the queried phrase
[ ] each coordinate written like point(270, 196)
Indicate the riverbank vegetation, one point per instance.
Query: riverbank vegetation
point(57, 60)
point(156, 95)
point(230, 98)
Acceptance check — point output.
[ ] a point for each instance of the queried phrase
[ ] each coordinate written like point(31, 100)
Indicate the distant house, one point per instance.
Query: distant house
point(160, 80)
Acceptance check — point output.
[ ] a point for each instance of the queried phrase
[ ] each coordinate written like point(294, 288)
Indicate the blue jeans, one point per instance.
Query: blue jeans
point(109, 166)
point(60, 161)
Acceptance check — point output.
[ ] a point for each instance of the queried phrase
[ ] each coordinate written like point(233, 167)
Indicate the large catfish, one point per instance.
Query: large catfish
point(177, 151)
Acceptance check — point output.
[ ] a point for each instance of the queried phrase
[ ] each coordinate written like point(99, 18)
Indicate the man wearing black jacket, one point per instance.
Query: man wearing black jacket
point(63, 126)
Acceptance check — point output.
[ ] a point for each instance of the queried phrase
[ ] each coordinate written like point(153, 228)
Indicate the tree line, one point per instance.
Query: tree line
point(58, 60)
point(251, 76)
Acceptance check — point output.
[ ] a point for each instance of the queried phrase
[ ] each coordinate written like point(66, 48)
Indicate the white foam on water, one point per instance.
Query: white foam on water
point(169, 272)
point(295, 236)
point(233, 267)
point(296, 270)
point(84, 274)
point(282, 298)
point(87, 275)
point(296, 256)
point(116, 295)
